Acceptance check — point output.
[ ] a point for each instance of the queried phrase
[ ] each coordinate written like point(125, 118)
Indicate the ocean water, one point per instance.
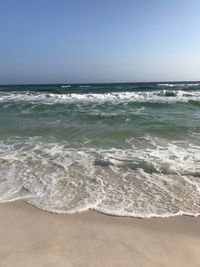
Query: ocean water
point(120, 149)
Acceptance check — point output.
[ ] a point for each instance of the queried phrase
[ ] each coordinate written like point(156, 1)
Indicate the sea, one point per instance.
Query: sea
point(127, 149)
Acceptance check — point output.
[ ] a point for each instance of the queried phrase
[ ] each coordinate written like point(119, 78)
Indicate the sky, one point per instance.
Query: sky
point(85, 41)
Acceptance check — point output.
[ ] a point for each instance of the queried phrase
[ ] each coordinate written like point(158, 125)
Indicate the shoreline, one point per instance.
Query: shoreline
point(32, 237)
point(152, 216)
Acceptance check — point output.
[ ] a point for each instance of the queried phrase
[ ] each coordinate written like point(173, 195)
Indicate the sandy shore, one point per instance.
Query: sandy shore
point(31, 237)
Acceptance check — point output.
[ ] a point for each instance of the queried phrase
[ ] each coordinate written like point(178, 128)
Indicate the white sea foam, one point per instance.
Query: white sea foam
point(114, 97)
point(178, 84)
point(149, 179)
point(167, 84)
point(66, 86)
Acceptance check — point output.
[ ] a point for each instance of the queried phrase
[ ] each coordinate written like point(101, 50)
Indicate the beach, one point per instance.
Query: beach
point(95, 175)
point(99, 133)
point(32, 237)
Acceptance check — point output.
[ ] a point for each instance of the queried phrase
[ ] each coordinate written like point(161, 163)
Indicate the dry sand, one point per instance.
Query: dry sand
point(31, 237)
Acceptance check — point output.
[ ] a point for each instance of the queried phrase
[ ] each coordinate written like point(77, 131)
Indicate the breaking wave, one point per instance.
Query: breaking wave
point(66, 86)
point(178, 84)
point(114, 97)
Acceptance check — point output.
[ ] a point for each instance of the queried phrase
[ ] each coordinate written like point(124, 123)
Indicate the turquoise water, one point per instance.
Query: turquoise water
point(121, 149)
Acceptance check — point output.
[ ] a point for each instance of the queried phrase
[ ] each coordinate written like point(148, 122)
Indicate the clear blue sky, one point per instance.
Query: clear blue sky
point(56, 41)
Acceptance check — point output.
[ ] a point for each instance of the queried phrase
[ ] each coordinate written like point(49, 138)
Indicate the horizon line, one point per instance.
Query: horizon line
point(90, 83)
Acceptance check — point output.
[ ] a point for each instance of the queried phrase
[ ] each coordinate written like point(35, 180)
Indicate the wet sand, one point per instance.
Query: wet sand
point(31, 237)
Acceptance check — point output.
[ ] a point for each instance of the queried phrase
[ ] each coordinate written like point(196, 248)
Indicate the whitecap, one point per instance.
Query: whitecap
point(66, 86)
point(114, 97)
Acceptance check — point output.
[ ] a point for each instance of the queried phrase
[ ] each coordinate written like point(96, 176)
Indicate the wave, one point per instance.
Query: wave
point(152, 178)
point(84, 86)
point(114, 97)
point(66, 86)
point(167, 84)
point(170, 93)
point(178, 84)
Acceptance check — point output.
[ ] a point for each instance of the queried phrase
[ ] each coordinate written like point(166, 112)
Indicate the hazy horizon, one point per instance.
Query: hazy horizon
point(74, 83)
point(55, 42)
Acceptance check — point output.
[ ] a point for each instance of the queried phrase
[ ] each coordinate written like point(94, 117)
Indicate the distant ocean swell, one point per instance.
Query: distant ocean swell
point(133, 151)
